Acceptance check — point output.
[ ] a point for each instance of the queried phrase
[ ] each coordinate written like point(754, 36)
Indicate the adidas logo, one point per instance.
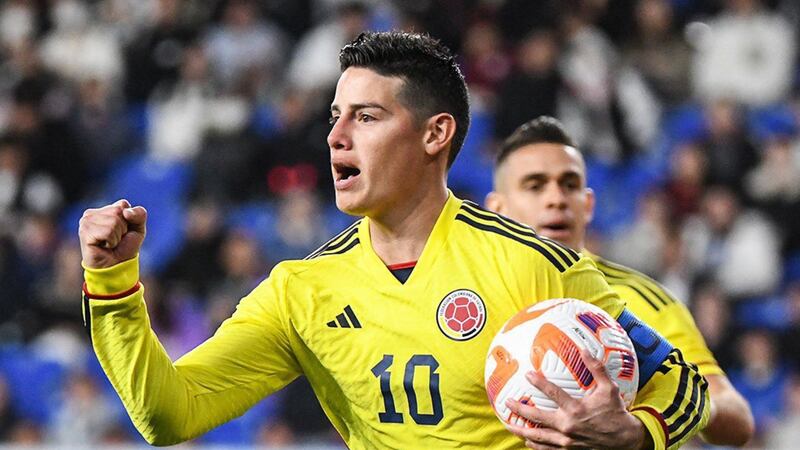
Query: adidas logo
point(342, 319)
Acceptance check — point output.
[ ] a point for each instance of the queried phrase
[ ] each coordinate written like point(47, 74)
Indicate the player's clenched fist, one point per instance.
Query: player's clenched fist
point(111, 234)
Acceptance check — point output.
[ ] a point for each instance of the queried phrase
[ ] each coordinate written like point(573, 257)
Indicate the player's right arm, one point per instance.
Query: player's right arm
point(248, 358)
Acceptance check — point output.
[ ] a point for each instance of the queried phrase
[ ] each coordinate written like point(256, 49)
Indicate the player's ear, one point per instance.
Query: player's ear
point(439, 132)
point(590, 201)
point(495, 202)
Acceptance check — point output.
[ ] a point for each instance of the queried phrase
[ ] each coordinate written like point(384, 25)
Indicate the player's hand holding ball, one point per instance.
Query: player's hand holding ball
point(562, 373)
point(111, 234)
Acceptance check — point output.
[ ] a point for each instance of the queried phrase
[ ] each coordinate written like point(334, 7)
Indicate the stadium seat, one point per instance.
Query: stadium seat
point(35, 384)
point(162, 187)
point(471, 174)
point(244, 430)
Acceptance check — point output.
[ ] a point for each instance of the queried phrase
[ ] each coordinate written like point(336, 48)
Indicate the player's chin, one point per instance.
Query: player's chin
point(349, 203)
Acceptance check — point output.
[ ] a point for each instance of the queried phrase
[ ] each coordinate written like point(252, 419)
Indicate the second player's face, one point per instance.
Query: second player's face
point(376, 146)
point(544, 185)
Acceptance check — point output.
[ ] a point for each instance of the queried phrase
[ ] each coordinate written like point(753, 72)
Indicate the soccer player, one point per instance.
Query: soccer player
point(540, 180)
point(369, 317)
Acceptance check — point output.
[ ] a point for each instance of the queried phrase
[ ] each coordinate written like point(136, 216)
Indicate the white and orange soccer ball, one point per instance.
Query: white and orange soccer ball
point(547, 338)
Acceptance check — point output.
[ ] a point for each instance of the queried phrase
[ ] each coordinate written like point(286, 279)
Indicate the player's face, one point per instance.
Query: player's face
point(544, 185)
point(376, 146)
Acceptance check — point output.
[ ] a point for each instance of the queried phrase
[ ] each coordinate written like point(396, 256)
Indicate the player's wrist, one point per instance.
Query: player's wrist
point(639, 436)
point(653, 426)
point(112, 282)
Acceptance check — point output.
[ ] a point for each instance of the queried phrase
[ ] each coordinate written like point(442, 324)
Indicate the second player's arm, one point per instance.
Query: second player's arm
point(673, 403)
point(731, 422)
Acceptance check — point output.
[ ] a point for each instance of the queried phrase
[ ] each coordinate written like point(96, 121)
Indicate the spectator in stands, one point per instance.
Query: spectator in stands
point(17, 25)
point(85, 414)
point(485, 63)
point(711, 310)
point(243, 267)
point(155, 55)
point(197, 266)
point(729, 151)
point(26, 433)
point(785, 433)
point(738, 246)
point(640, 244)
point(22, 187)
point(100, 126)
point(790, 338)
point(660, 53)
point(314, 66)
point(78, 48)
point(762, 379)
point(535, 77)
point(588, 65)
point(246, 50)
point(8, 417)
point(774, 184)
point(686, 183)
point(300, 228)
point(747, 55)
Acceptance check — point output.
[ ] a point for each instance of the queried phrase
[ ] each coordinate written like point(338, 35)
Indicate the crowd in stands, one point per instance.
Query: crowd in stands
point(213, 115)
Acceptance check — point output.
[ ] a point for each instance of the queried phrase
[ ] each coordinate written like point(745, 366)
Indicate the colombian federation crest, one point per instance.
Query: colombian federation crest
point(461, 315)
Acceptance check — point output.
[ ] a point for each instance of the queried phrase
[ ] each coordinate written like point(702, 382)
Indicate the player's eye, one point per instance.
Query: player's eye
point(332, 120)
point(536, 187)
point(365, 117)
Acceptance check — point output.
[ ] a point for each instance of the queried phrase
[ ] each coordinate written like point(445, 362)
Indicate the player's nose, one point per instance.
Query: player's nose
point(339, 136)
point(554, 196)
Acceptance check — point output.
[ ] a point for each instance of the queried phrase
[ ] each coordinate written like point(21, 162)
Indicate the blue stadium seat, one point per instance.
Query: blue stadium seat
point(35, 384)
point(764, 312)
point(244, 430)
point(162, 187)
point(771, 121)
point(471, 174)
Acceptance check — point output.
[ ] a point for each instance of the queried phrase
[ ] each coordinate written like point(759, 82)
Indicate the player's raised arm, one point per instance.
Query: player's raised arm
point(248, 358)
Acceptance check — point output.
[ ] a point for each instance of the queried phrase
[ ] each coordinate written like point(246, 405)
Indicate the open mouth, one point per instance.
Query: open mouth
point(345, 172)
point(557, 228)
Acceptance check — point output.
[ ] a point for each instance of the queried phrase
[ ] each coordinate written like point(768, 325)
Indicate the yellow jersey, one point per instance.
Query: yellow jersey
point(655, 306)
point(394, 365)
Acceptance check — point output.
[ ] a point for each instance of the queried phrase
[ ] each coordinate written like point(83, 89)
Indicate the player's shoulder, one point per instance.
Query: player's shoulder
point(635, 283)
point(335, 251)
point(514, 237)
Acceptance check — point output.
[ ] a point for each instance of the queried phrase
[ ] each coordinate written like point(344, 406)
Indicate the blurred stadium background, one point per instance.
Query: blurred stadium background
point(213, 114)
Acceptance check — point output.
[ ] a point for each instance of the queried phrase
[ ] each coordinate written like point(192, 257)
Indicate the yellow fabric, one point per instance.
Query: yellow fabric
point(112, 280)
point(655, 306)
point(653, 426)
point(294, 323)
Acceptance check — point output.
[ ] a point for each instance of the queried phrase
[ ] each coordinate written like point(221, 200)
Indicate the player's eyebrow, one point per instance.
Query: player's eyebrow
point(542, 176)
point(358, 106)
point(534, 176)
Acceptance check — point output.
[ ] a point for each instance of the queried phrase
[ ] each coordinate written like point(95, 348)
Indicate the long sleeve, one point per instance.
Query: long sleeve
point(672, 401)
point(248, 358)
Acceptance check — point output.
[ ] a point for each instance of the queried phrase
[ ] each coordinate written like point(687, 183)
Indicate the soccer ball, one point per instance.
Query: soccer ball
point(547, 338)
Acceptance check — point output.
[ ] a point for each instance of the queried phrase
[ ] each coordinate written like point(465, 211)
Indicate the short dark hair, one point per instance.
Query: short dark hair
point(433, 82)
point(543, 129)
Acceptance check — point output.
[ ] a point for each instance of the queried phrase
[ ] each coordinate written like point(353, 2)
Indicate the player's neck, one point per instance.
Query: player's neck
point(400, 235)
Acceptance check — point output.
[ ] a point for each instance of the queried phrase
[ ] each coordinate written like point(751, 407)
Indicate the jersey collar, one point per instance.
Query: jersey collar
point(431, 251)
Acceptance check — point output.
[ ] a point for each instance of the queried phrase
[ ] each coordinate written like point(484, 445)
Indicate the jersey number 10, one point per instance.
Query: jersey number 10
point(381, 370)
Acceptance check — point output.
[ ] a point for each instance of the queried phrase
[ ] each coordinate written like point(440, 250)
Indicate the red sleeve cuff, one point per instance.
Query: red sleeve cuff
point(115, 296)
point(660, 419)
